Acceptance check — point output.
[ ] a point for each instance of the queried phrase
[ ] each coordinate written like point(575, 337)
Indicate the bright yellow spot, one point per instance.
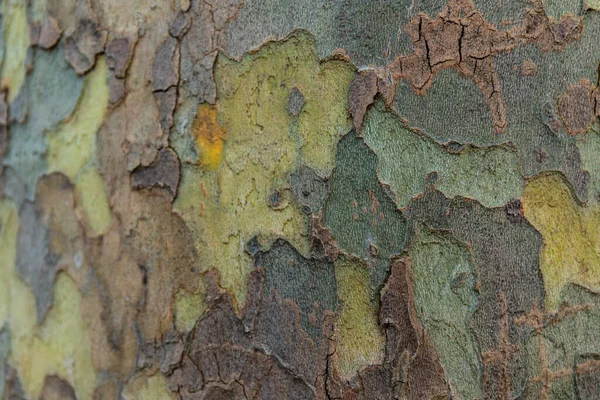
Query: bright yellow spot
point(89, 189)
point(209, 136)
point(359, 340)
point(189, 307)
point(16, 43)
point(72, 147)
point(227, 201)
point(61, 344)
point(571, 249)
point(147, 388)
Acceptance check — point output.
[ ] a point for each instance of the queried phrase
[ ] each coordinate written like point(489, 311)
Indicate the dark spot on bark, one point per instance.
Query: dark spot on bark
point(295, 102)
point(431, 178)
point(374, 250)
point(4, 350)
point(56, 388)
point(308, 188)
point(163, 173)
point(186, 378)
point(541, 156)
point(376, 383)
point(252, 246)
point(459, 280)
point(275, 199)
point(280, 329)
point(454, 147)
point(514, 211)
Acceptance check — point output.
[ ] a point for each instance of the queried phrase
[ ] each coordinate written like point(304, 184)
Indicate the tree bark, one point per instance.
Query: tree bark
point(248, 199)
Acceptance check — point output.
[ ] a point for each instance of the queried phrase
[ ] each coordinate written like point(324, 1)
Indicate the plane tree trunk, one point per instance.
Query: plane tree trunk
point(247, 199)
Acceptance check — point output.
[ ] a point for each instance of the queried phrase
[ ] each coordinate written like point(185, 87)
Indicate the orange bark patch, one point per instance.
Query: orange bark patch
point(209, 136)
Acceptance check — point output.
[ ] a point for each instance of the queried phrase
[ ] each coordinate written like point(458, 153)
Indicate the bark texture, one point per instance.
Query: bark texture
point(275, 199)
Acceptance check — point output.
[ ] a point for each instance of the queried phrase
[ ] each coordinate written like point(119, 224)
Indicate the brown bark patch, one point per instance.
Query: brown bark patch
point(85, 39)
point(528, 68)
point(56, 388)
point(46, 34)
point(576, 107)
point(163, 173)
point(460, 38)
point(362, 94)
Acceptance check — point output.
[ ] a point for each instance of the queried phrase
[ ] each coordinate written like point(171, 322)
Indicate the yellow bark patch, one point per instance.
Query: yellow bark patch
point(147, 388)
point(72, 147)
point(359, 341)
point(9, 225)
point(571, 249)
point(73, 143)
point(246, 191)
point(61, 344)
point(16, 43)
point(89, 189)
point(209, 136)
point(189, 307)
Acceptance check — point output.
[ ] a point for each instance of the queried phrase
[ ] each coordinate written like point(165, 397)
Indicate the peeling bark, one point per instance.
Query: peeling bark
point(225, 199)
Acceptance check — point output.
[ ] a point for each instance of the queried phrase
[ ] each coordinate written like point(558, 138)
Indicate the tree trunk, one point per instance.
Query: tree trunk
point(275, 199)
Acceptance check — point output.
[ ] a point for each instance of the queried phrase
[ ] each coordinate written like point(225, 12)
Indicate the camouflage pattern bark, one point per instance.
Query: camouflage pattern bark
point(274, 199)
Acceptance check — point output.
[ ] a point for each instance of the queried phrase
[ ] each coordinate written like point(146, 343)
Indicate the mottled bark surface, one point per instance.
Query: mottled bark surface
point(275, 199)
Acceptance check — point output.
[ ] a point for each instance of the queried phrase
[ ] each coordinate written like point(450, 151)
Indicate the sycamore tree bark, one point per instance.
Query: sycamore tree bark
point(300, 199)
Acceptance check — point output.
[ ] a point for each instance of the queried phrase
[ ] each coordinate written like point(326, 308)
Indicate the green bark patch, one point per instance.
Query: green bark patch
point(445, 300)
point(488, 174)
point(359, 211)
point(310, 283)
point(51, 93)
point(505, 250)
